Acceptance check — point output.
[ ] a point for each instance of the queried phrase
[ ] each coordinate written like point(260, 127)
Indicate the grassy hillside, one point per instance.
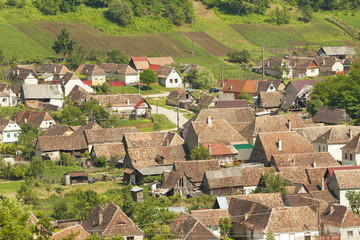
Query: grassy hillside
point(27, 33)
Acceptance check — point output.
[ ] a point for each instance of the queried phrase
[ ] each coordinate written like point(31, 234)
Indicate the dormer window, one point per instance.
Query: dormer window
point(159, 159)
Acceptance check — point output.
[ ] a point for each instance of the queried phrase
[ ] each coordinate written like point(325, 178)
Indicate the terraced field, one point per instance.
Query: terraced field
point(209, 44)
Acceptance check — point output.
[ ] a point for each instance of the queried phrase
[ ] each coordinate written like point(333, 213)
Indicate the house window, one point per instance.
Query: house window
point(95, 78)
point(351, 157)
point(176, 81)
point(171, 81)
point(324, 148)
point(8, 135)
point(15, 134)
point(271, 87)
point(345, 155)
point(359, 231)
point(350, 233)
point(4, 99)
point(319, 149)
point(307, 236)
point(130, 238)
point(312, 70)
point(181, 182)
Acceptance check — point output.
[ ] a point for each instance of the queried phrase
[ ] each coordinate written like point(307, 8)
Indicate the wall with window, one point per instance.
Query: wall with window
point(350, 158)
point(283, 236)
point(345, 233)
point(98, 79)
point(333, 149)
point(312, 72)
point(173, 80)
point(10, 137)
point(46, 124)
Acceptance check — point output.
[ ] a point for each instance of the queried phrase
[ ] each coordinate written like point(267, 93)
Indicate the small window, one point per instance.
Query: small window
point(95, 78)
point(130, 238)
point(312, 70)
point(307, 236)
point(8, 135)
point(176, 81)
point(350, 233)
point(345, 155)
point(319, 149)
point(171, 81)
point(351, 157)
point(324, 149)
point(4, 99)
point(271, 87)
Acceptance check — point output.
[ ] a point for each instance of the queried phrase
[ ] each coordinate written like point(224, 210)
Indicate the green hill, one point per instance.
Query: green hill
point(27, 33)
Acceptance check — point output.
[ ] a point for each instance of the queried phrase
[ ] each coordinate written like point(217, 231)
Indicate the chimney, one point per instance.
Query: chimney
point(350, 134)
point(331, 210)
point(14, 72)
point(127, 101)
point(86, 70)
point(209, 146)
point(314, 164)
point(167, 142)
point(289, 124)
point(322, 184)
point(209, 121)
point(100, 217)
point(54, 69)
point(280, 145)
point(246, 216)
point(18, 72)
point(25, 120)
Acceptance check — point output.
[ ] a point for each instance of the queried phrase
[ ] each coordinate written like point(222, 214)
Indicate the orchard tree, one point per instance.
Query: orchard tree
point(147, 77)
point(239, 56)
point(271, 183)
point(121, 12)
point(225, 226)
point(354, 200)
point(64, 44)
point(200, 153)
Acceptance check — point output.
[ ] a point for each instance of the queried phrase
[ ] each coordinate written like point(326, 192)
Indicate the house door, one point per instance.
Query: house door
point(132, 179)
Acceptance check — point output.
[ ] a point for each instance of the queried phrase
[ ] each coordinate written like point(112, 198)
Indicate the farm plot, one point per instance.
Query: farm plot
point(91, 38)
point(209, 44)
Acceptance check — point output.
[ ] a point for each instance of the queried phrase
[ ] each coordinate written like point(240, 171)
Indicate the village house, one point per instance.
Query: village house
point(70, 80)
point(237, 117)
point(229, 181)
point(217, 133)
point(343, 181)
point(334, 139)
point(107, 135)
point(37, 96)
point(340, 221)
point(341, 52)
point(22, 76)
point(175, 183)
point(42, 120)
point(294, 87)
point(112, 221)
point(137, 139)
point(9, 131)
point(139, 63)
point(276, 123)
point(304, 67)
point(93, 73)
point(225, 96)
point(206, 101)
point(195, 170)
point(348, 64)
point(276, 67)
point(7, 97)
point(269, 101)
point(351, 152)
point(211, 218)
point(272, 143)
point(77, 230)
point(52, 72)
point(180, 97)
point(296, 101)
point(187, 227)
point(329, 65)
point(332, 116)
point(78, 95)
point(133, 105)
point(121, 72)
point(169, 77)
point(109, 151)
point(231, 104)
point(58, 130)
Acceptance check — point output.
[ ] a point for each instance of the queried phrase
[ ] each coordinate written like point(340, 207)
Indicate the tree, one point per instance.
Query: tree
point(280, 16)
point(246, 96)
point(117, 56)
point(200, 153)
point(201, 79)
point(70, 115)
point(100, 161)
point(16, 3)
point(239, 56)
point(83, 202)
point(271, 183)
point(120, 12)
point(36, 167)
point(354, 200)
point(25, 140)
point(63, 44)
point(62, 210)
point(76, 58)
point(225, 226)
point(306, 11)
point(147, 77)
point(314, 105)
point(269, 236)
point(2, 57)
point(26, 194)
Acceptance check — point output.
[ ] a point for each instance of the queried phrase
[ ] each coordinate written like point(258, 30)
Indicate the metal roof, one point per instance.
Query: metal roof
point(243, 146)
point(136, 189)
point(154, 170)
point(34, 91)
point(223, 204)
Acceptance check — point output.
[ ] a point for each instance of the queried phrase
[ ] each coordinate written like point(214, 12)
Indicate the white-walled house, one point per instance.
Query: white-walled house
point(22, 76)
point(35, 96)
point(169, 77)
point(304, 67)
point(121, 72)
point(38, 119)
point(351, 152)
point(52, 72)
point(70, 80)
point(343, 181)
point(9, 131)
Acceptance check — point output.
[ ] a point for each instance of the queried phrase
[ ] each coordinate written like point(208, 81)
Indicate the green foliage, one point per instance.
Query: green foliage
point(27, 194)
point(98, 112)
point(246, 96)
point(354, 200)
point(306, 10)
point(151, 179)
point(100, 161)
point(52, 7)
point(70, 115)
point(314, 105)
point(76, 58)
point(25, 140)
point(64, 44)
point(225, 226)
point(241, 7)
point(16, 172)
point(201, 79)
point(67, 159)
point(117, 56)
point(280, 16)
point(62, 210)
point(104, 88)
point(36, 167)
point(200, 153)
point(16, 3)
point(269, 236)
point(271, 183)
point(147, 77)
point(120, 12)
point(239, 56)
point(97, 3)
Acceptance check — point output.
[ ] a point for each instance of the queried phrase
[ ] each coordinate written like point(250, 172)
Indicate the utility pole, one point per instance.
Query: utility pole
point(91, 115)
point(319, 224)
point(139, 87)
point(262, 53)
point(222, 76)
point(177, 117)
point(111, 80)
point(192, 37)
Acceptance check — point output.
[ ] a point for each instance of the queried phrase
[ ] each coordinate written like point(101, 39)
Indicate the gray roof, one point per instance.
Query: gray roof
point(154, 170)
point(226, 96)
point(136, 189)
point(223, 204)
point(33, 91)
point(342, 50)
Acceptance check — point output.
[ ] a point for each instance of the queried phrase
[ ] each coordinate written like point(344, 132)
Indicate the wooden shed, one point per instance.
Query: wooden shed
point(75, 178)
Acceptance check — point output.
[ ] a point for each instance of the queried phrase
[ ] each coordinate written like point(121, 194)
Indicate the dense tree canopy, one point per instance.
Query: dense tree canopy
point(148, 76)
point(64, 44)
point(271, 183)
point(200, 153)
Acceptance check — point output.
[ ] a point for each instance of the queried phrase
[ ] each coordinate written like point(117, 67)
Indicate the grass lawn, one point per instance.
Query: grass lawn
point(153, 89)
point(189, 115)
point(165, 123)
point(9, 188)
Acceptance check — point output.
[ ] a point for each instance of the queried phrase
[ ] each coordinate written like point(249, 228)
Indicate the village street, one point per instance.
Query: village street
point(170, 114)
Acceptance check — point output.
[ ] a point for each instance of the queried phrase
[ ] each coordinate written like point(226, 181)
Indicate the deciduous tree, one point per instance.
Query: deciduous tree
point(200, 153)
point(147, 77)
point(64, 44)
point(271, 183)
point(354, 200)
point(121, 12)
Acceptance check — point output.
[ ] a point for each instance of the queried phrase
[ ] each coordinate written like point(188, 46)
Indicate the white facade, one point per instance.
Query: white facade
point(282, 236)
point(31, 79)
point(72, 83)
point(140, 111)
point(10, 133)
point(333, 149)
point(249, 189)
point(338, 66)
point(312, 72)
point(350, 158)
point(345, 233)
point(46, 124)
point(57, 102)
point(173, 80)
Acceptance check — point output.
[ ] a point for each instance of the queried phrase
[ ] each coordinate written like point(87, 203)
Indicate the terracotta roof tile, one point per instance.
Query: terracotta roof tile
point(108, 135)
point(109, 150)
point(210, 217)
point(331, 116)
point(321, 159)
point(348, 179)
point(195, 170)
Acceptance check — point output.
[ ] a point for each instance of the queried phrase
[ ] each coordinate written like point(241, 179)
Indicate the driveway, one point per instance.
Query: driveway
point(170, 114)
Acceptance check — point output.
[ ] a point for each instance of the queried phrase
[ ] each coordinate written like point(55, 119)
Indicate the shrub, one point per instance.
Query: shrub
point(100, 161)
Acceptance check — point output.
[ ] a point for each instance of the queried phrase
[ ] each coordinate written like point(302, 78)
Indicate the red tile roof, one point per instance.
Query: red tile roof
point(154, 67)
point(219, 149)
point(332, 169)
point(139, 59)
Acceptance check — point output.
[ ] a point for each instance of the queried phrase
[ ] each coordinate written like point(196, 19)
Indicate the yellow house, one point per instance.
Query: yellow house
point(96, 75)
